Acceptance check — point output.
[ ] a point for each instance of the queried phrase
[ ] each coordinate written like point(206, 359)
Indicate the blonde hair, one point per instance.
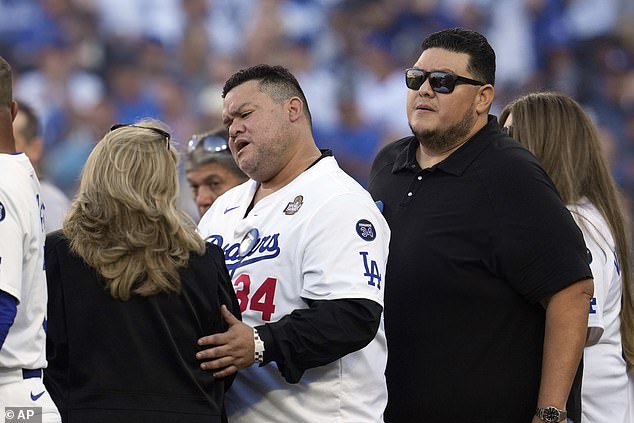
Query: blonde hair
point(124, 221)
point(556, 129)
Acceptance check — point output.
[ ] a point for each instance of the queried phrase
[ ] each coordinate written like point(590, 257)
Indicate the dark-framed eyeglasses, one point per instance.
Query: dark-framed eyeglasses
point(158, 131)
point(440, 82)
point(208, 143)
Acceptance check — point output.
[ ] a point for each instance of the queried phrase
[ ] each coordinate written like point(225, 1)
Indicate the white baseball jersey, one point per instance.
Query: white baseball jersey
point(22, 262)
point(320, 237)
point(23, 276)
point(604, 391)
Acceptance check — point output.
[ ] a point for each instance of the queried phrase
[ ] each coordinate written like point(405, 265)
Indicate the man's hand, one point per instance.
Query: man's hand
point(233, 350)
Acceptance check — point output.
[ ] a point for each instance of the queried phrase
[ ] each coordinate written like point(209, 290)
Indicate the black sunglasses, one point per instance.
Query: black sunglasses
point(158, 131)
point(208, 143)
point(441, 82)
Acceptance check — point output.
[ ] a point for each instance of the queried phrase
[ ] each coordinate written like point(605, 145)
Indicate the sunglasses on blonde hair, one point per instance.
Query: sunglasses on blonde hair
point(158, 131)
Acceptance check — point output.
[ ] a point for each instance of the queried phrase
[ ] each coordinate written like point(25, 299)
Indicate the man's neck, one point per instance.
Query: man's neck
point(427, 158)
point(294, 168)
point(7, 147)
point(7, 142)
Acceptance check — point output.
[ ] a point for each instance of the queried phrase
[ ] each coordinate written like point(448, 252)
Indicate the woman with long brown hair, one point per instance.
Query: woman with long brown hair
point(556, 129)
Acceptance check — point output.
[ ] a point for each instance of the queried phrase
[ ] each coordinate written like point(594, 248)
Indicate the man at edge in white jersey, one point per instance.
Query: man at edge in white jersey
point(306, 248)
point(22, 279)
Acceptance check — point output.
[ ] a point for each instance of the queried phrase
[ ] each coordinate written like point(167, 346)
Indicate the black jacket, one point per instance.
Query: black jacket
point(131, 361)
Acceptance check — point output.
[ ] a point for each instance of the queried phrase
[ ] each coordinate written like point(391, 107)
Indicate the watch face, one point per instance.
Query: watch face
point(551, 414)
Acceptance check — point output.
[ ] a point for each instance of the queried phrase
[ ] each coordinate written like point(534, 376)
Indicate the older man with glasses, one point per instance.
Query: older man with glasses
point(210, 168)
point(489, 284)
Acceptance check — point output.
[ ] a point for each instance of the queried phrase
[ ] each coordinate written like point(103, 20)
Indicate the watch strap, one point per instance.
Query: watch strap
point(259, 347)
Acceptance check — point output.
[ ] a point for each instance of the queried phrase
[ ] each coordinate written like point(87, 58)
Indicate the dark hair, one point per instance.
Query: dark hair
point(460, 40)
point(31, 129)
point(6, 83)
point(276, 81)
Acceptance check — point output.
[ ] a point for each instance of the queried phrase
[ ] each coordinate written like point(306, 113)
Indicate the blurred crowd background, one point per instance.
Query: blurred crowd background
point(86, 64)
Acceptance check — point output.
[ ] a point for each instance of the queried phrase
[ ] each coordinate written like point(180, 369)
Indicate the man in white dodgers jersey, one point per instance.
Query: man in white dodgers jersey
point(22, 279)
point(306, 248)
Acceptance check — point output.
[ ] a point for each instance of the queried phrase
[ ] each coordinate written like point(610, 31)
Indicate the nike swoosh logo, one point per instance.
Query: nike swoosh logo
point(228, 209)
point(36, 397)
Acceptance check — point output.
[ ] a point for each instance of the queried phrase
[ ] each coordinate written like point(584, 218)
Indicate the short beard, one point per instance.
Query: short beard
point(439, 142)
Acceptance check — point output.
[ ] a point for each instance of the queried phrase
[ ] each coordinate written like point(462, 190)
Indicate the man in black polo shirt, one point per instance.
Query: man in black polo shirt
point(489, 285)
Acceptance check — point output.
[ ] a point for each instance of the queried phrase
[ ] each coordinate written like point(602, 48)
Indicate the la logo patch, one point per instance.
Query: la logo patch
point(3, 212)
point(294, 206)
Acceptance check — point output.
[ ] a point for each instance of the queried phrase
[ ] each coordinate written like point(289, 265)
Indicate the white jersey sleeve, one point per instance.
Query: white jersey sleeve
point(11, 246)
point(345, 251)
point(20, 224)
point(22, 271)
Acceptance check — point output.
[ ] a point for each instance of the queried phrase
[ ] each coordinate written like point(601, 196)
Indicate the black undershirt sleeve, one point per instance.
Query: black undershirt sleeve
point(320, 334)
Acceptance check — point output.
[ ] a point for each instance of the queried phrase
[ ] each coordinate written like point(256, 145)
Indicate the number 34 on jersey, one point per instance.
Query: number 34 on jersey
point(263, 299)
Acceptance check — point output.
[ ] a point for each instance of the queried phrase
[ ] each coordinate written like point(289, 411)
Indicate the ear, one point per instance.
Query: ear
point(14, 110)
point(484, 99)
point(295, 108)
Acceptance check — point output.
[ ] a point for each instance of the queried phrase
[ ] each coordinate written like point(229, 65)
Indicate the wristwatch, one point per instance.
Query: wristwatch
point(259, 347)
point(551, 414)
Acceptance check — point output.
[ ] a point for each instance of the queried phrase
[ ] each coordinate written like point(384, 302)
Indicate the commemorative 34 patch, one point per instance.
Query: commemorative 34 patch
point(3, 212)
point(365, 229)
